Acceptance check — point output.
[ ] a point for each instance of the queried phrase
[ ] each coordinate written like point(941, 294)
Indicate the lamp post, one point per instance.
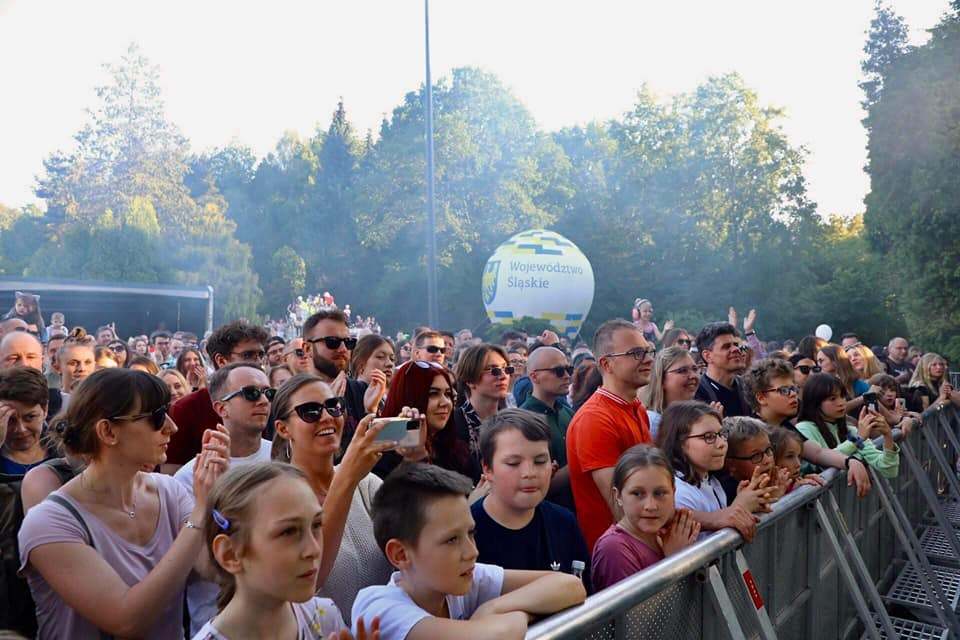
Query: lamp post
point(433, 304)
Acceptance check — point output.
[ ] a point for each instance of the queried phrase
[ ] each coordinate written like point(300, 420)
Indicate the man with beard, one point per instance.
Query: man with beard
point(720, 347)
point(327, 340)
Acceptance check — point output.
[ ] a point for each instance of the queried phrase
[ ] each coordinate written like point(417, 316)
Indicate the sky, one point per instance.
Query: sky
point(249, 71)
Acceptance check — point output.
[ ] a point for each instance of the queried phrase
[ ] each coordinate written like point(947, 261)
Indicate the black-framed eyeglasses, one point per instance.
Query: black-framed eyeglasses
point(711, 436)
point(637, 354)
point(334, 342)
point(158, 417)
point(434, 349)
point(786, 390)
point(755, 458)
point(685, 371)
point(251, 393)
point(559, 370)
point(806, 369)
point(311, 412)
point(251, 355)
point(500, 371)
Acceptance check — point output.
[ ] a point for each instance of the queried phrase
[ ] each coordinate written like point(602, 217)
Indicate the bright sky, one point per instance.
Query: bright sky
point(249, 71)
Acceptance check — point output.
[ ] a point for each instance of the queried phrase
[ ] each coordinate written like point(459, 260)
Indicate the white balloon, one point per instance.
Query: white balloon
point(824, 331)
point(539, 274)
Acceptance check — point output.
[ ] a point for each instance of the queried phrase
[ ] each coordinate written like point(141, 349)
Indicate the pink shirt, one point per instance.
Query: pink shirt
point(49, 522)
point(618, 555)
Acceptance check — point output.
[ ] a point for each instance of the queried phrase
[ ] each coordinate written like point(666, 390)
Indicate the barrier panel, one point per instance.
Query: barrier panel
point(796, 585)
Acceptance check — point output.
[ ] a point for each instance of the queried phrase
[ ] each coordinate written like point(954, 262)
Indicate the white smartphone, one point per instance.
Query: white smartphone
point(405, 432)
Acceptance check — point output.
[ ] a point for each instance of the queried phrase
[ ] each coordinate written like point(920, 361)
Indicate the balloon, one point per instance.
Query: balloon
point(824, 331)
point(542, 275)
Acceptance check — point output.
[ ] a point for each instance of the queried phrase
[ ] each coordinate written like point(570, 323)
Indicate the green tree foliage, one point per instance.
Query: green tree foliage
point(914, 204)
point(886, 41)
point(288, 277)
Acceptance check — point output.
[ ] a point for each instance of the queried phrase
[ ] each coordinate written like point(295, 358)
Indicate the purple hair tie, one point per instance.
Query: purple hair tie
point(222, 522)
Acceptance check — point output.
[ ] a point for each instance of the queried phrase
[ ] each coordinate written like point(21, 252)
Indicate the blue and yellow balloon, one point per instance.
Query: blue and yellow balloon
point(539, 274)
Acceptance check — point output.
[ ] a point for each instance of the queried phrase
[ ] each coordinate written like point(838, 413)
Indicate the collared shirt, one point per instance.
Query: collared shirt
point(558, 417)
point(473, 427)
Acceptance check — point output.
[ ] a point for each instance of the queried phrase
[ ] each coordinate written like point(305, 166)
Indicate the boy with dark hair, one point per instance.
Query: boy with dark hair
point(749, 462)
point(422, 522)
point(516, 527)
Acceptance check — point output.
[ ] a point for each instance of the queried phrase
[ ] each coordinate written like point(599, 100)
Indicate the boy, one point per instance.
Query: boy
point(422, 522)
point(516, 528)
point(749, 459)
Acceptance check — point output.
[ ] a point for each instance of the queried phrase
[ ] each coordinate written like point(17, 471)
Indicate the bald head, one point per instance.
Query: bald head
point(549, 373)
point(20, 349)
point(12, 324)
point(897, 349)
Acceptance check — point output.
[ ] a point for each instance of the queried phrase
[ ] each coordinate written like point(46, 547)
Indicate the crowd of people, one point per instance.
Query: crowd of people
point(258, 484)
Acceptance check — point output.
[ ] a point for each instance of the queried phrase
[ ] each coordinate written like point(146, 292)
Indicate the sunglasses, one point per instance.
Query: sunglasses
point(434, 349)
point(311, 412)
point(334, 342)
point(805, 369)
point(786, 391)
point(684, 342)
point(252, 355)
point(251, 393)
point(559, 371)
point(297, 352)
point(158, 417)
point(498, 371)
point(117, 348)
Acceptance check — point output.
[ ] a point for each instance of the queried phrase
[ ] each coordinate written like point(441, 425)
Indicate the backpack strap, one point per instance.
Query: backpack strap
point(66, 504)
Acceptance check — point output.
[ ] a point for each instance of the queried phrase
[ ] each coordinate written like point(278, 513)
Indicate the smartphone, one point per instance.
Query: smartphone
point(901, 404)
point(405, 432)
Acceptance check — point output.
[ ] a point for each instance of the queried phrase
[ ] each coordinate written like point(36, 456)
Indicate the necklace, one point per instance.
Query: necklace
point(132, 513)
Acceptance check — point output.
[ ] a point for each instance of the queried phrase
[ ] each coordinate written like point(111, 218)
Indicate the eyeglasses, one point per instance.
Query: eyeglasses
point(432, 348)
point(252, 355)
point(297, 352)
point(559, 371)
point(251, 393)
point(334, 342)
point(786, 391)
point(311, 412)
point(637, 354)
point(851, 347)
point(685, 371)
point(685, 342)
point(805, 369)
point(158, 417)
point(711, 436)
point(498, 371)
point(755, 458)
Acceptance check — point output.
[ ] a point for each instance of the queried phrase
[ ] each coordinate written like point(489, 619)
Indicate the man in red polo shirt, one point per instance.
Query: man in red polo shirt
point(609, 423)
point(237, 341)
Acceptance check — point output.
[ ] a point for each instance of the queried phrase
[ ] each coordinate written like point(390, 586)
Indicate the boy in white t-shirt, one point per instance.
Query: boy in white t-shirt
point(422, 522)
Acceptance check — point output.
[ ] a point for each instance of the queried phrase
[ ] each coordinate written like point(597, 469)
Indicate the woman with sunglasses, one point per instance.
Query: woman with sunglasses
point(802, 368)
point(309, 425)
point(674, 377)
point(483, 375)
point(120, 352)
point(133, 535)
point(678, 337)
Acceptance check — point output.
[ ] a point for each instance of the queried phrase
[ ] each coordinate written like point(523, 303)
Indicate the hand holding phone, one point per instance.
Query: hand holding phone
point(404, 431)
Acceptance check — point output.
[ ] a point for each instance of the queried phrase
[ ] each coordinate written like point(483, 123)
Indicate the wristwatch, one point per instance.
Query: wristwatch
point(857, 440)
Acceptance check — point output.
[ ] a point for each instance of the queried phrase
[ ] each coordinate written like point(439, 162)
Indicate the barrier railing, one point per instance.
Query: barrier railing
point(799, 576)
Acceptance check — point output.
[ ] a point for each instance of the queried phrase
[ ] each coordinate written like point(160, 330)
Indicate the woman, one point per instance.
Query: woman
point(928, 387)
point(134, 535)
point(175, 382)
point(484, 379)
point(674, 377)
point(190, 364)
point(863, 361)
point(309, 426)
point(23, 407)
point(404, 350)
point(144, 364)
point(675, 336)
point(120, 352)
point(278, 375)
point(105, 358)
point(140, 345)
point(833, 359)
point(372, 352)
point(586, 380)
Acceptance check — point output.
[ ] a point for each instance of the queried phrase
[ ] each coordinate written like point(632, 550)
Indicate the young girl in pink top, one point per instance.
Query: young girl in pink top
point(651, 528)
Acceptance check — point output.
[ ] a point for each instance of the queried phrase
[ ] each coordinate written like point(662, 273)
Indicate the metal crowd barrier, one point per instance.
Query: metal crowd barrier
point(822, 565)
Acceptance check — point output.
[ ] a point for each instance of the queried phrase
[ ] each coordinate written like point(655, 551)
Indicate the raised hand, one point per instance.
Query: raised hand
point(716, 406)
point(375, 390)
point(364, 451)
point(754, 494)
point(362, 633)
point(680, 533)
point(6, 412)
point(749, 321)
point(213, 460)
point(732, 316)
point(669, 324)
point(418, 453)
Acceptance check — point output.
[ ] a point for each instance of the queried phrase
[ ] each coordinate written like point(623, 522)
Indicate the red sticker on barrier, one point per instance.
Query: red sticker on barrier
point(752, 589)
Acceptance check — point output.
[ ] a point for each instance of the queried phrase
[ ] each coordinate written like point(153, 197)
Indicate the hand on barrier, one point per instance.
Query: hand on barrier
point(811, 479)
point(858, 476)
point(680, 532)
point(736, 517)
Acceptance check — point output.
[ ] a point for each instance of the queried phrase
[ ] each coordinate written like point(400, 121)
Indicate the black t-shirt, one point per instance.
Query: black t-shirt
point(551, 537)
point(896, 369)
point(355, 411)
point(732, 399)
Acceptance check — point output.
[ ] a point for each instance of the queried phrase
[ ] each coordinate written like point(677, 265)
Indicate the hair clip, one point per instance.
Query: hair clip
point(60, 427)
point(222, 522)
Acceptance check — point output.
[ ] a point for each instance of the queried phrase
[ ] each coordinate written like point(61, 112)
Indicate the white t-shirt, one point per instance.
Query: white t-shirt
point(202, 594)
point(399, 613)
point(316, 619)
point(707, 496)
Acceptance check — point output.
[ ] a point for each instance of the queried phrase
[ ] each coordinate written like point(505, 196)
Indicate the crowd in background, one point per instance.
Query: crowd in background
point(311, 478)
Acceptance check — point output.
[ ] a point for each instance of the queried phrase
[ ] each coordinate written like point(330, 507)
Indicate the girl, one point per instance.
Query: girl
point(694, 441)
point(120, 352)
point(928, 386)
point(26, 306)
point(651, 528)
point(144, 364)
point(264, 539)
point(863, 361)
point(787, 449)
point(278, 375)
point(190, 365)
point(134, 535)
point(175, 382)
point(674, 377)
point(643, 318)
point(371, 353)
point(833, 359)
point(822, 419)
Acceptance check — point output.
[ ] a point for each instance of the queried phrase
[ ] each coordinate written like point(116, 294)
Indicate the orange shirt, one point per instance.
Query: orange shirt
point(604, 427)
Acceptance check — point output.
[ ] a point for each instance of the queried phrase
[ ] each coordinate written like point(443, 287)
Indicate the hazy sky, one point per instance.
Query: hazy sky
point(249, 71)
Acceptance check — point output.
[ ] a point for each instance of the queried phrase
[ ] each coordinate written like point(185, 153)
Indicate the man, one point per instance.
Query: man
point(896, 360)
point(104, 335)
point(719, 346)
point(550, 373)
point(176, 348)
point(296, 357)
point(238, 341)
point(20, 349)
point(275, 351)
point(849, 340)
point(12, 324)
point(328, 342)
point(77, 361)
point(609, 423)
point(240, 391)
point(161, 346)
point(430, 347)
point(449, 341)
point(52, 360)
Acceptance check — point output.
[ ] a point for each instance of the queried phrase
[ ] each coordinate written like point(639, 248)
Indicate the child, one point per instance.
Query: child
point(694, 441)
point(643, 318)
point(750, 455)
point(422, 522)
point(822, 418)
point(263, 536)
point(787, 447)
point(27, 307)
point(650, 528)
point(516, 528)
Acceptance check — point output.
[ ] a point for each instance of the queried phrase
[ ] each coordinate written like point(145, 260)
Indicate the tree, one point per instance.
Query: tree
point(886, 42)
point(289, 277)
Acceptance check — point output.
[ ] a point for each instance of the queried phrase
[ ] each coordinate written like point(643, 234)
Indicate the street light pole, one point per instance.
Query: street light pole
point(433, 304)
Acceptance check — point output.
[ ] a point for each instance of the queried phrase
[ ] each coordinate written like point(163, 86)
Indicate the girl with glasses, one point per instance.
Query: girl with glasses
point(675, 377)
point(133, 534)
point(309, 425)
